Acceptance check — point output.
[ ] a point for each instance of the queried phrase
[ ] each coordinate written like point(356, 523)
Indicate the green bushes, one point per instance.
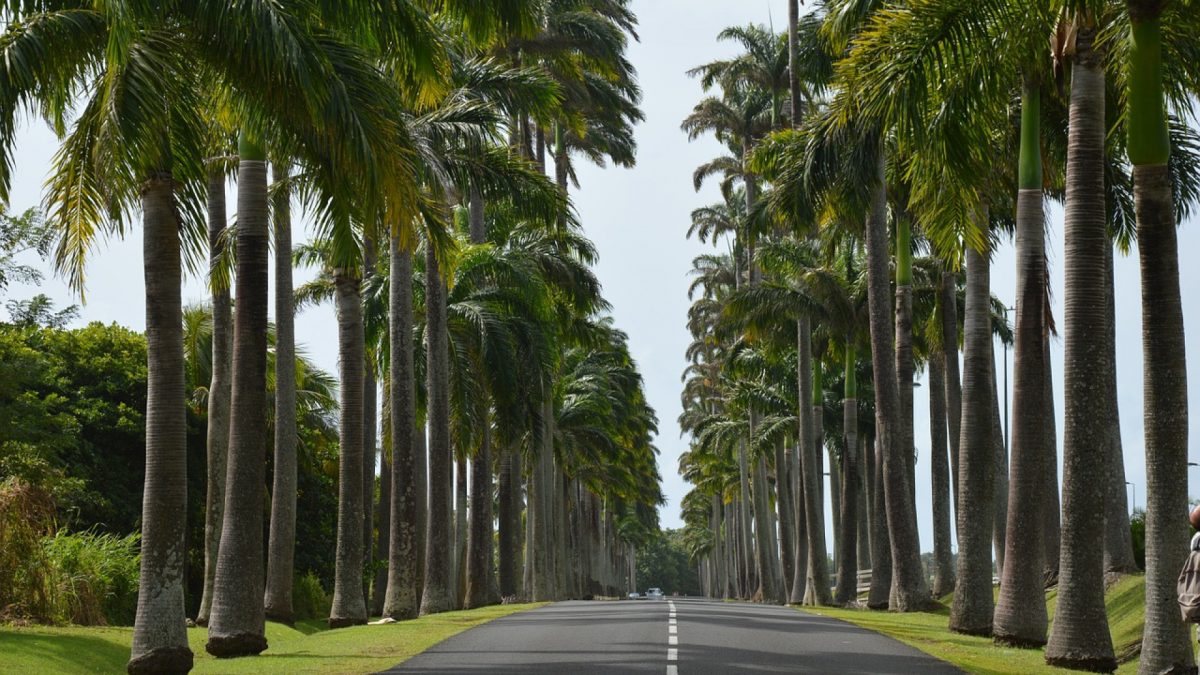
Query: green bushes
point(309, 600)
point(55, 576)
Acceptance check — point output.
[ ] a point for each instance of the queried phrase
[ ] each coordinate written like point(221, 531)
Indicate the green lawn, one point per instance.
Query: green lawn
point(928, 632)
point(306, 648)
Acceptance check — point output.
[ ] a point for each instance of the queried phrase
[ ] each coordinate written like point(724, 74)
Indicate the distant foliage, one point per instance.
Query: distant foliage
point(663, 563)
point(309, 599)
point(1137, 528)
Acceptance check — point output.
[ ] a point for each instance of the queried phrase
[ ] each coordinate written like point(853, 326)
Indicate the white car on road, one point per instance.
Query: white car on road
point(654, 594)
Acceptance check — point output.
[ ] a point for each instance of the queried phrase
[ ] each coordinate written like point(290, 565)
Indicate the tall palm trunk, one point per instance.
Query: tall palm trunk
point(437, 596)
point(281, 545)
point(510, 522)
point(904, 350)
point(370, 423)
point(480, 581)
point(1000, 474)
point(406, 546)
point(384, 507)
point(1165, 643)
point(948, 300)
point(847, 577)
point(1118, 540)
point(160, 643)
point(783, 506)
point(458, 564)
point(971, 611)
point(881, 551)
point(349, 607)
point(236, 624)
point(865, 444)
point(943, 556)
point(909, 592)
point(1050, 505)
point(219, 390)
point(768, 560)
point(815, 589)
point(747, 555)
point(1020, 617)
point(1080, 637)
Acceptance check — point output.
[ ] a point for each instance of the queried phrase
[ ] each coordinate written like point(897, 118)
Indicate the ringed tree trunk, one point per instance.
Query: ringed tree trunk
point(971, 610)
point(384, 508)
point(908, 592)
point(768, 561)
point(459, 565)
point(237, 625)
point(1118, 540)
point(943, 556)
point(1050, 508)
point(509, 506)
point(847, 578)
point(349, 607)
point(815, 588)
point(281, 547)
point(948, 299)
point(369, 430)
point(437, 596)
point(904, 350)
point(747, 555)
point(480, 580)
point(405, 547)
point(160, 643)
point(1079, 637)
point(219, 391)
point(1020, 617)
point(783, 506)
point(1165, 643)
point(1000, 459)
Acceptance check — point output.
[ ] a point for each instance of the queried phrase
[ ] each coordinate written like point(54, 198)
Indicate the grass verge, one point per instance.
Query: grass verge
point(306, 648)
point(929, 632)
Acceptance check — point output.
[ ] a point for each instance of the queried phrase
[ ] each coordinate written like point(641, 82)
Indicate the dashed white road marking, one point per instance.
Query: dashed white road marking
point(673, 640)
point(672, 670)
point(672, 654)
point(673, 630)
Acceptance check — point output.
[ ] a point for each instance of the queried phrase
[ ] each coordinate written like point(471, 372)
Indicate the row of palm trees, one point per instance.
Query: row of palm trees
point(414, 136)
point(877, 153)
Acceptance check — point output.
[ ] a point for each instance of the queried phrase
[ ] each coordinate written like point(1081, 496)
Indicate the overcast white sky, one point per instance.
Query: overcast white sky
point(638, 219)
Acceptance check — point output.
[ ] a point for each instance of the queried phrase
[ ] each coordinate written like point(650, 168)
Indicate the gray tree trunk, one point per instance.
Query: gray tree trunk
point(281, 547)
point(815, 589)
point(384, 507)
point(1118, 540)
point(405, 549)
point(1079, 637)
point(881, 553)
point(438, 594)
point(909, 591)
point(219, 391)
point(943, 557)
point(1000, 477)
point(1050, 510)
point(948, 301)
point(971, 611)
point(786, 513)
point(236, 624)
point(847, 578)
point(160, 643)
point(370, 431)
point(349, 607)
point(1020, 617)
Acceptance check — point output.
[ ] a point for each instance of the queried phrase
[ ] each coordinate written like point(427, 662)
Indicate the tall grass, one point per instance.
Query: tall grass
point(53, 576)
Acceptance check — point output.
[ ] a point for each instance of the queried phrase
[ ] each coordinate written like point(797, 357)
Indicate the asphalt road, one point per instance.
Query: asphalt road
point(673, 636)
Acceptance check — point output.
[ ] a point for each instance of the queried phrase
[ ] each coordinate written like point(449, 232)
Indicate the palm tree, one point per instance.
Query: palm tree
point(1080, 637)
point(219, 389)
point(236, 626)
point(1165, 645)
point(971, 611)
point(282, 541)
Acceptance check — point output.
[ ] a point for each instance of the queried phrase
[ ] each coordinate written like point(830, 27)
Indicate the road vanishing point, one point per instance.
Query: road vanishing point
point(674, 636)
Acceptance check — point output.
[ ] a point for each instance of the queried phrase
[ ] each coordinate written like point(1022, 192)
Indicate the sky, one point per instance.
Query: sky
point(638, 219)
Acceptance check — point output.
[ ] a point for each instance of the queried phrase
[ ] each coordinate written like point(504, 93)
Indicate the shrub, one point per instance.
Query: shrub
point(55, 576)
point(309, 599)
point(97, 575)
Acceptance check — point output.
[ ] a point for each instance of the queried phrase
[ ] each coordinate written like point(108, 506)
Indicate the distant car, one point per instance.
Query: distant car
point(634, 595)
point(654, 594)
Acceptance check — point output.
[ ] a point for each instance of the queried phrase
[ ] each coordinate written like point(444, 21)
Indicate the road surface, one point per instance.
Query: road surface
point(672, 636)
